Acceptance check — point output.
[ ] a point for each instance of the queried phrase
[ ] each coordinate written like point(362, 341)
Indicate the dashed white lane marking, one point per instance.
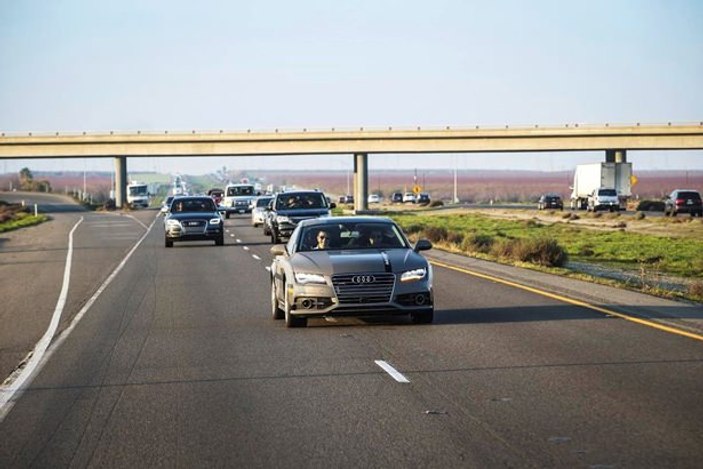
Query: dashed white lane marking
point(138, 221)
point(246, 248)
point(256, 257)
point(238, 240)
point(268, 267)
point(395, 374)
point(15, 384)
point(232, 235)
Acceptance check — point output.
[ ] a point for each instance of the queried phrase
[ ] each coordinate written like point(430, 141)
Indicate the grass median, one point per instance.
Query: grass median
point(548, 245)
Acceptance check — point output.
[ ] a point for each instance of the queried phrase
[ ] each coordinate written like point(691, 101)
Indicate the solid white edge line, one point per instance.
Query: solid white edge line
point(138, 221)
point(268, 267)
point(15, 382)
point(246, 248)
point(14, 391)
point(395, 374)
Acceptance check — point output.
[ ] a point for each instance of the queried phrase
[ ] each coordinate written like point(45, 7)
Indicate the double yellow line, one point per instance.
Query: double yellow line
point(565, 299)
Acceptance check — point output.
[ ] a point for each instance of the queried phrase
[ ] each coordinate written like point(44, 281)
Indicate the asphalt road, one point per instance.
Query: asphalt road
point(178, 364)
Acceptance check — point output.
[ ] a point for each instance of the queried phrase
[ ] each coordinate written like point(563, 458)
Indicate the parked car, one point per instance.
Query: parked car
point(422, 198)
point(397, 198)
point(550, 201)
point(346, 199)
point(409, 197)
point(193, 218)
point(374, 199)
point(683, 201)
point(166, 205)
point(350, 266)
point(287, 209)
point(603, 198)
point(258, 212)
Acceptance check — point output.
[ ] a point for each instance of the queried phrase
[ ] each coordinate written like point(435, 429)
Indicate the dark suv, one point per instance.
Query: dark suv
point(550, 201)
point(683, 201)
point(287, 209)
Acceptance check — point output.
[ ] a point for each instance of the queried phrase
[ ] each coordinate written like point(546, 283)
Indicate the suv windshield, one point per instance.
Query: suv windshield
point(138, 190)
point(193, 205)
point(240, 190)
point(362, 235)
point(300, 201)
point(607, 192)
point(263, 201)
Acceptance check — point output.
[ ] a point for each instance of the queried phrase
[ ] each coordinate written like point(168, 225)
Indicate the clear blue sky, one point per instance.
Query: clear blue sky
point(74, 65)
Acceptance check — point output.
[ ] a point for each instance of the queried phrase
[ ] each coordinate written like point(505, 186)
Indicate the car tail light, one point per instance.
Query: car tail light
point(680, 201)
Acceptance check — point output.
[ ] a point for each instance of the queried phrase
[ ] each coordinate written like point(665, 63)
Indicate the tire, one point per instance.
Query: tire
point(422, 317)
point(291, 321)
point(256, 225)
point(168, 243)
point(267, 232)
point(227, 215)
point(276, 312)
point(220, 241)
point(275, 239)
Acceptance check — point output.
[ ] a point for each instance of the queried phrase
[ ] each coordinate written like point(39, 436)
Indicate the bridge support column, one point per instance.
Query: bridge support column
point(361, 181)
point(616, 156)
point(120, 181)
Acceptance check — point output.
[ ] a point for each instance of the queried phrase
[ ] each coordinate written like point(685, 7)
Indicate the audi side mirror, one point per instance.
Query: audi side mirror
point(422, 245)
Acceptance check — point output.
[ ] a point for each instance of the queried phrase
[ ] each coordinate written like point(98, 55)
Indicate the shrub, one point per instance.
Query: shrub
point(597, 214)
point(650, 206)
point(621, 224)
point(639, 216)
point(414, 228)
point(455, 238)
point(502, 248)
point(436, 203)
point(542, 251)
point(435, 233)
point(696, 289)
point(477, 243)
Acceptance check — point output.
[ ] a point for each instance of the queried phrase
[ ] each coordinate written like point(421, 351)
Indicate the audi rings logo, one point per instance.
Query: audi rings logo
point(363, 279)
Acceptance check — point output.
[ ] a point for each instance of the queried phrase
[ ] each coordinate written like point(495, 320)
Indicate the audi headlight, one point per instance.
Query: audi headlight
point(215, 221)
point(413, 275)
point(305, 278)
point(173, 223)
point(282, 219)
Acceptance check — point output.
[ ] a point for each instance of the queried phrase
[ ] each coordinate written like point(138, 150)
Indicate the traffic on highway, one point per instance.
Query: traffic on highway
point(175, 357)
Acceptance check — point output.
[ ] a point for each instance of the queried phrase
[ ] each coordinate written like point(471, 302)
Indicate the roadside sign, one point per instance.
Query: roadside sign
point(417, 189)
point(633, 180)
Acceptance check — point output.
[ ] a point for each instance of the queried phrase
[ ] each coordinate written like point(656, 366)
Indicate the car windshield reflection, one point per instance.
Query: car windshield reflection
point(351, 236)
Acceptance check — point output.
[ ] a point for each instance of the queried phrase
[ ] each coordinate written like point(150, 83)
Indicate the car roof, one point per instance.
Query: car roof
point(338, 220)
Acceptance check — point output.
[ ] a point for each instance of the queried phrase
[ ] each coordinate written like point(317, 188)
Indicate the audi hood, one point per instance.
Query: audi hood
point(345, 262)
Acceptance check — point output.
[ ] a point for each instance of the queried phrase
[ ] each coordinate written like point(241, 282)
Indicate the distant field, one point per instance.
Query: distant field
point(151, 178)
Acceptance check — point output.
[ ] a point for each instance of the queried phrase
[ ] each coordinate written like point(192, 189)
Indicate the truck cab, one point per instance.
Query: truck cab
point(137, 195)
point(603, 198)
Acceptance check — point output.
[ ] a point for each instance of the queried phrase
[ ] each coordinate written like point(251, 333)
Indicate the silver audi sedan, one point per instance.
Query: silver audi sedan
point(350, 266)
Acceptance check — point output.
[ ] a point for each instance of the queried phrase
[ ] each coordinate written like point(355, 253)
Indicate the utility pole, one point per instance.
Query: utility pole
point(84, 186)
point(456, 197)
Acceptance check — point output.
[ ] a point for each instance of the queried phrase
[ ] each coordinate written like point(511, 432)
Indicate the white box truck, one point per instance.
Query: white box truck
point(138, 194)
point(593, 176)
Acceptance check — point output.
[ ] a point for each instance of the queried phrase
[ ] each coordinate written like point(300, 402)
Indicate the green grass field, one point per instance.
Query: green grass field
point(625, 250)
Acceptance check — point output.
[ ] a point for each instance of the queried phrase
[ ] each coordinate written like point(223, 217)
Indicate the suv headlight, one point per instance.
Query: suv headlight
point(173, 224)
point(215, 221)
point(282, 219)
point(304, 278)
point(413, 275)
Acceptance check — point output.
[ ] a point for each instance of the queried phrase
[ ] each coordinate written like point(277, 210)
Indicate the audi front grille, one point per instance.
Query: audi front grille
point(364, 287)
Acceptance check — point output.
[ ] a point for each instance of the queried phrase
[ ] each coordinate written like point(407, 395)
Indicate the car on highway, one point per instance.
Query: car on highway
point(289, 208)
point(683, 201)
point(603, 198)
point(550, 201)
point(216, 195)
point(422, 199)
point(258, 210)
point(350, 266)
point(409, 197)
point(166, 205)
point(374, 199)
point(346, 199)
point(397, 198)
point(237, 198)
point(193, 218)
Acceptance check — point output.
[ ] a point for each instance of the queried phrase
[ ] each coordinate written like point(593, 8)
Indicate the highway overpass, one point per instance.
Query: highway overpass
point(614, 140)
